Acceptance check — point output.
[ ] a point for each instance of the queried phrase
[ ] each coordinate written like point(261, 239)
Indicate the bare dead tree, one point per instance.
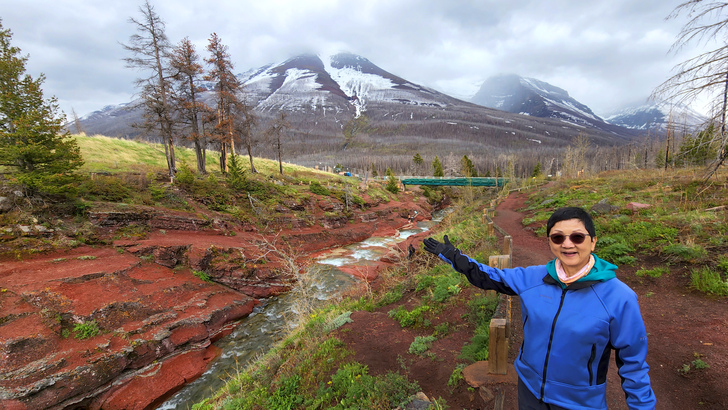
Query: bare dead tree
point(227, 88)
point(279, 125)
point(77, 122)
point(187, 72)
point(706, 74)
point(245, 121)
point(150, 48)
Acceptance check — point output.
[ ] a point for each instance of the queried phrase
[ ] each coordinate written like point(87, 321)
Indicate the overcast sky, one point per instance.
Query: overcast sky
point(605, 53)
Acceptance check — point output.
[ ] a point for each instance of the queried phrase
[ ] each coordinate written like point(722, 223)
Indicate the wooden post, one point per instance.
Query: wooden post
point(491, 228)
point(499, 261)
point(499, 400)
point(498, 347)
point(508, 248)
point(508, 316)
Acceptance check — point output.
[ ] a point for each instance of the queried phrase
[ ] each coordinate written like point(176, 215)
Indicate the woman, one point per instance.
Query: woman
point(575, 312)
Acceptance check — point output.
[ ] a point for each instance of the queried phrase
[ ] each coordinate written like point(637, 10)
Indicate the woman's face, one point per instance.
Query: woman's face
point(572, 256)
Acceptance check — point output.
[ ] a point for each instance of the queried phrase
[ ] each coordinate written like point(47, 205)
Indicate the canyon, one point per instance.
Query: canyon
point(160, 299)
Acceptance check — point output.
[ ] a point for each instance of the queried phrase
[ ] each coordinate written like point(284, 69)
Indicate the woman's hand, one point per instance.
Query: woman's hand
point(438, 248)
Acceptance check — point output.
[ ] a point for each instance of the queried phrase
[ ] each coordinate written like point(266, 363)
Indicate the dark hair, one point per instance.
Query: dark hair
point(571, 212)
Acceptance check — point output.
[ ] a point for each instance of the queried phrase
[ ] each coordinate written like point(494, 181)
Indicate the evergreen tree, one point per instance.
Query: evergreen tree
point(536, 170)
point(467, 168)
point(437, 167)
point(698, 150)
point(392, 185)
point(417, 159)
point(33, 143)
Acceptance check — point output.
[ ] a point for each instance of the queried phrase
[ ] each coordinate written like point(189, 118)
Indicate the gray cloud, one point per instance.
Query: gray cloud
point(605, 53)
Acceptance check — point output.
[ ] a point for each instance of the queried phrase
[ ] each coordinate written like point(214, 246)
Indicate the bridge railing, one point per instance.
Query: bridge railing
point(463, 181)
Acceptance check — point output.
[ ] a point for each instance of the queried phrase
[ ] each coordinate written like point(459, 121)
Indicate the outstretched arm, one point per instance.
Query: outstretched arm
point(480, 275)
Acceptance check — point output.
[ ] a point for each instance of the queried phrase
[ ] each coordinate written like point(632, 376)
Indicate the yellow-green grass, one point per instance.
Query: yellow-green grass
point(106, 154)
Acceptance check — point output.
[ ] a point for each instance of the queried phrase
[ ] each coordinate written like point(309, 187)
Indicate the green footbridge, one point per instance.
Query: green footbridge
point(434, 181)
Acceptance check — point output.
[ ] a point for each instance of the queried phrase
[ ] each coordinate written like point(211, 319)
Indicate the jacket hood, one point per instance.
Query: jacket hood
point(602, 271)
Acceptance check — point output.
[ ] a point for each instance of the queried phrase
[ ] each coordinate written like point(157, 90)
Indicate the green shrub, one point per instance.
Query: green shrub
point(456, 376)
point(653, 273)
point(286, 396)
point(477, 349)
point(157, 191)
point(409, 318)
point(104, 188)
point(446, 286)
point(339, 321)
point(185, 177)
point(353, 388)
point(700, 364)
point(392, 185)
point(615, 250)
point(421, 344)
point(708, 281)
point(202, 276)
point(684, 252)
point(317, 189)
point(723, 264)
point(482, 308)
point(85, 330)
point(391, 296)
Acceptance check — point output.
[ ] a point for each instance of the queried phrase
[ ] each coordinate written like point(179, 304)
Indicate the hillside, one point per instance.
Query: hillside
point(113, 298)
point(320, 94)
point(380, 355)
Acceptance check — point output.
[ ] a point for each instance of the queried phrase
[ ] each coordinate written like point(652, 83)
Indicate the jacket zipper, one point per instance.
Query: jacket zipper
point(551, 340)
point(590, 363)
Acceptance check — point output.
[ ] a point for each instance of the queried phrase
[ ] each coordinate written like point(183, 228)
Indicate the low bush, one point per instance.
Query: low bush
point(85, 330)
point(653, 273)
point(421, 344)
point(709, 281)
point(685, 252)
point(406, 318)
point(318, 189)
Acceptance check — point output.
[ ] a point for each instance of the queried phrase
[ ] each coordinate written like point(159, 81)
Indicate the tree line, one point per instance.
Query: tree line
point(170, 94)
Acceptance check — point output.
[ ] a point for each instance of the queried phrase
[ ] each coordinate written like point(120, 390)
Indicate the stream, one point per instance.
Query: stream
point(276, 317)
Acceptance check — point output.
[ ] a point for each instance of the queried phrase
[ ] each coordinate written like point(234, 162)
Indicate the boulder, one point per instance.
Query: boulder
point(635, 206)
point(603, 207)
point(5, 204)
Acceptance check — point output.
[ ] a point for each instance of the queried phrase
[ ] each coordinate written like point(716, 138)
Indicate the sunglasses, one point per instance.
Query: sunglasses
point(575, 238)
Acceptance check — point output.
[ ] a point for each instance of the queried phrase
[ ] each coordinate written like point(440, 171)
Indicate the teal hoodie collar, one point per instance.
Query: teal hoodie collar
point(601, 272)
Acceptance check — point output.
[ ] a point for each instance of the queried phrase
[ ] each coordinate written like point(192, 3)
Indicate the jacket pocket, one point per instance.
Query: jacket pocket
point(590, 363)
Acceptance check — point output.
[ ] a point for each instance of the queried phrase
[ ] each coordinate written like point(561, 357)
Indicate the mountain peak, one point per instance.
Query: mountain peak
point(516, 94)
point(656, 116)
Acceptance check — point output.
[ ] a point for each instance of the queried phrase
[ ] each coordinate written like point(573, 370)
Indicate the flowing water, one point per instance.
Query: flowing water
point(277, 316)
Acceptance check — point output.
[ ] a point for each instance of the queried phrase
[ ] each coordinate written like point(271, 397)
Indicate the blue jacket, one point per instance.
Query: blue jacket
point(569, 332)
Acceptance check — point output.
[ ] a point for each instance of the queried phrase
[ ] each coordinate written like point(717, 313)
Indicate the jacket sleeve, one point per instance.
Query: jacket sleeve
point(478, 274)
point(629, 339)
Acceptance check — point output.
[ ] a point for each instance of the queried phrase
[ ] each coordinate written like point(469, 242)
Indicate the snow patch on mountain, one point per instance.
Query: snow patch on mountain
point(657, 116)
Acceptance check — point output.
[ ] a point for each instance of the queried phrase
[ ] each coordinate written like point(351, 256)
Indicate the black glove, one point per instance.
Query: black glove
point(445, 249)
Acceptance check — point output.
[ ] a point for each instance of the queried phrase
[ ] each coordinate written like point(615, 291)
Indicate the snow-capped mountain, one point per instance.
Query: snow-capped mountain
point(656, 116)
point(320, 94)
point(529, 96)
point(310, 82)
